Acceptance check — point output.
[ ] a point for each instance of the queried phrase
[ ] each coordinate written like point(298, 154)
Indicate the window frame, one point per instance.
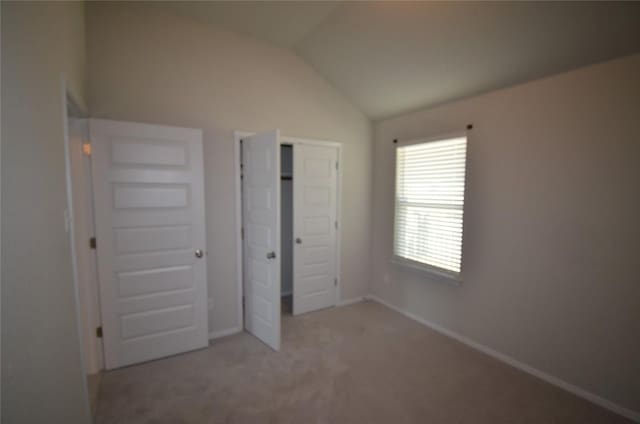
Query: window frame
point(423, 269)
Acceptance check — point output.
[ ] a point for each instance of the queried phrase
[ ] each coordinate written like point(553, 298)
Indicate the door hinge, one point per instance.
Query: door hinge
point(242, 233)
point(99, 332)
point(337, 166)
point(335, 282)
point(336, 225)
point(93, 243)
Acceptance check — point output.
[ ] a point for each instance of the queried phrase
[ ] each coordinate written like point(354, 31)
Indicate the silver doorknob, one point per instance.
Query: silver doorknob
point(298, 240)
point(271, 255)
point(199, 253)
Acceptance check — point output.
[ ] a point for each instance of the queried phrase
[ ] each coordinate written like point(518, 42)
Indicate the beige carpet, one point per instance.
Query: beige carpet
point(93, 384)
point(358, 364)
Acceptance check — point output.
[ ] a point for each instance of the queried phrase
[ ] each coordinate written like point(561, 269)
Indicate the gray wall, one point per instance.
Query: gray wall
point(551, 227)
point(148, 65)
point(42, 377)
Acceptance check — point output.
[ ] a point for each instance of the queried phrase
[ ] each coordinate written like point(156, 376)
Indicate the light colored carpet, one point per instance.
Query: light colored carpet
point(93, 384)
point(358, 364)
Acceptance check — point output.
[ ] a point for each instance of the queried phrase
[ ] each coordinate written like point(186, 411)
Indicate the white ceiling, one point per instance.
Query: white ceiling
point(284, 23)
point(392, 57)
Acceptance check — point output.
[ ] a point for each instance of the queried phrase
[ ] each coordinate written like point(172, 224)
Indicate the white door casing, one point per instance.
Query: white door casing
point(85, 258)
point(315, 184)
point(150, 228)
point(261, 228)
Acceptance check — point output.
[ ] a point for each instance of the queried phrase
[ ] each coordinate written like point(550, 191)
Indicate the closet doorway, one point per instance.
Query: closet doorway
point(288, 205)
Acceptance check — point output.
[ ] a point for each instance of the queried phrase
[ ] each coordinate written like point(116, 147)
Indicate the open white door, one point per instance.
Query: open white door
point(149, 211)
point(261, 228)
point(315, 185)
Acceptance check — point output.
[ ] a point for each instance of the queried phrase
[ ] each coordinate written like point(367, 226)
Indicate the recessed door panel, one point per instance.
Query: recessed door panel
point(136, 196)
point(157, 280)
point(147, 152)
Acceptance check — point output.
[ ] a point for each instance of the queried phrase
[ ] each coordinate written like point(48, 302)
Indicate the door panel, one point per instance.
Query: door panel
point(261, 226)
point(315, 214)
point(149, 211)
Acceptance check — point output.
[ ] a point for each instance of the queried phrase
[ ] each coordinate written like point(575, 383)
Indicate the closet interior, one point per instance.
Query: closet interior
point(286, 228)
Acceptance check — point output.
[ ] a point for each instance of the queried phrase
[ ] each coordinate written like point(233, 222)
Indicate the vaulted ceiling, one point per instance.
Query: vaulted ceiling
point(392, 57)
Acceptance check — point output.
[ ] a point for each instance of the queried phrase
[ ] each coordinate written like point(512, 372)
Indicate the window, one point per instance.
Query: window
point(429, 204)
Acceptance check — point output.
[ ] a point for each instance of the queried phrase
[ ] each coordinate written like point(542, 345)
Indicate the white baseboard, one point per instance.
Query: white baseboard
point(598, 400)
point(350, 301)
point(223, 333)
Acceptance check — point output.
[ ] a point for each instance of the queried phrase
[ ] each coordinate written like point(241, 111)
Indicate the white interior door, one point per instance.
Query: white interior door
point(261, 228)
point(149, 212)
point(314, 226)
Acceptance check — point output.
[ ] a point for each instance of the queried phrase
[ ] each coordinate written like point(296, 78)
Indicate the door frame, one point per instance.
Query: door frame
point(71, 106)
point(85, 256)
point(286, 140)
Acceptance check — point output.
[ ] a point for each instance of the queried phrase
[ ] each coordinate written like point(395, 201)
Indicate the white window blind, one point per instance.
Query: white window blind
point(429, 202)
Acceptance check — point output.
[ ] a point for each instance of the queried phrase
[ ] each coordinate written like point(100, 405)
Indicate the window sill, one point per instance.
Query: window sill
point(427, 271)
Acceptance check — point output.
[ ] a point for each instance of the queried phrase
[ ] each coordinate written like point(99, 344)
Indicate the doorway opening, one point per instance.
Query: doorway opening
point(138, 230)
point(288, 209)
point(286, 227)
